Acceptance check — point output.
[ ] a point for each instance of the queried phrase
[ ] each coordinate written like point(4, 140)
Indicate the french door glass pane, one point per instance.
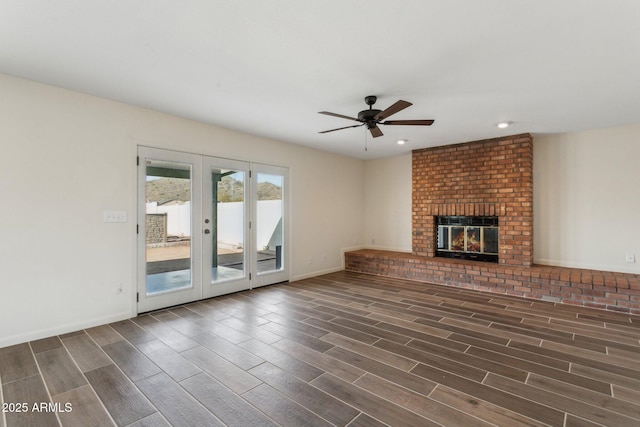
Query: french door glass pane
point(269, 210)
point(168, 226)
point(228, 219)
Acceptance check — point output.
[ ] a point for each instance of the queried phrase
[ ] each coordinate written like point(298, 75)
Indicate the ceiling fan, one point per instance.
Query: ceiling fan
point(372, 118)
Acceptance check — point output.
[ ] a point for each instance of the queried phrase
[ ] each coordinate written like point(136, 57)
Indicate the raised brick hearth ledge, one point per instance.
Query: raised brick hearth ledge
point(589, 288)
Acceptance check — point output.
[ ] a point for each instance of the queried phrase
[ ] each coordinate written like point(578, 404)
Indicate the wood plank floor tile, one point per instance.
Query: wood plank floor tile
point(457, 330)
point(417, 331)
point(85, 409)
point(372, 330)
point(405, 379)
point(208, 309)
point(16, 362)
point(483, 410)
point(591, 397)
point(375, 353)
point(86, 352)
point(229, 351)
point(627, 394)
point(604, 376)
point(221, 369)
point(364, 420)
point(30, 391)
point(295, 323)
point(177, 406)
point(497, 396)
point(609, 356)
point(508, 336)
point(132, 332)
point(295, 335)
point(132, 362)
point(170, 361)
point(342, 330)
point(123, 400)
point(504, 349)
point(320, 360)
point(168, 335)
point(228, 406)
point(576, 357)
point(281, 409)
point(570, 404)
point(281, 359)
point(588, 383)
point(465, 365)
point(104, 335)
point(187, 327)
point(418, 403)
point(251, 330)
point(322, 404)
point(59, 371)
point(373, 405)
point(154, 420)
point(45, 344)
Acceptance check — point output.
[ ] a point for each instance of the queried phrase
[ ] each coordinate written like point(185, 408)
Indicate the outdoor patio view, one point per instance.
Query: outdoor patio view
point(169, 229)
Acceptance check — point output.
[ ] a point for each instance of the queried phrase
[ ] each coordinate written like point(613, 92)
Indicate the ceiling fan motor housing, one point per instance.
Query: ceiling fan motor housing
point(368, 116)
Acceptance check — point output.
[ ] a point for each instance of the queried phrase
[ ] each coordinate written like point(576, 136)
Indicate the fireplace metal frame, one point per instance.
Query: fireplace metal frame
point(482, 223)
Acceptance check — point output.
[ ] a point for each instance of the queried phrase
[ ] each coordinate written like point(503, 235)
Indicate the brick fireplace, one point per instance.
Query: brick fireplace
point(490, 178)
point(483, 178)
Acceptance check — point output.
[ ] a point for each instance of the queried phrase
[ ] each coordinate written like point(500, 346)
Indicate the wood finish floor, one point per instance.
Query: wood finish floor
point(343, 349)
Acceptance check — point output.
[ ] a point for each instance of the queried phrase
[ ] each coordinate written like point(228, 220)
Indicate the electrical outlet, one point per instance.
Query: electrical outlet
point(630, 258)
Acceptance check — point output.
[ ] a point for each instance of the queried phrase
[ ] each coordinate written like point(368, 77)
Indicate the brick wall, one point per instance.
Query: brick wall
point(491, 177)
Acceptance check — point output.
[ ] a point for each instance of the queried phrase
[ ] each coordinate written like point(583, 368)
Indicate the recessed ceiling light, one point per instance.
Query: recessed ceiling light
point(402, 141)
point(503, 125)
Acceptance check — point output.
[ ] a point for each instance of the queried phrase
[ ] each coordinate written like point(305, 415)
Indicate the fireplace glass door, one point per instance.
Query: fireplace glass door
point(474, 238)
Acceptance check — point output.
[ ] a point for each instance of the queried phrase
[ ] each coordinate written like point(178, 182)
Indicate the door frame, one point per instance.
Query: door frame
point(210, 289)
point(166, 299)
point(201, 283)
point(279, 276)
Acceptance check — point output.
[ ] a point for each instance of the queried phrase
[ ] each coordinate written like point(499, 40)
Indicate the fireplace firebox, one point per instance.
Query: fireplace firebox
point(468, 237)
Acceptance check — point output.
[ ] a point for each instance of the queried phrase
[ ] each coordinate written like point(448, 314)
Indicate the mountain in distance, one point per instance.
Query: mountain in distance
point(165, 190)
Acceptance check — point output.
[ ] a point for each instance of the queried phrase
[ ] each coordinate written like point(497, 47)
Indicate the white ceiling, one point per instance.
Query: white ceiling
point(267, 67)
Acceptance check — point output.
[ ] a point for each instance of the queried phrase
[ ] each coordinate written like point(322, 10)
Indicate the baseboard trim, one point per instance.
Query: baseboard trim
point(63, 329)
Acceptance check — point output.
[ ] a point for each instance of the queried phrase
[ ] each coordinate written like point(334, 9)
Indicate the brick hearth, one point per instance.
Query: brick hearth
point(493, 178)
point(589, 288)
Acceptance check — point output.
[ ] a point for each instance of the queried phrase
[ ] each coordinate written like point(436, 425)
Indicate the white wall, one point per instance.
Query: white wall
point(587, 199)
point(388, 203)
point(68, 157)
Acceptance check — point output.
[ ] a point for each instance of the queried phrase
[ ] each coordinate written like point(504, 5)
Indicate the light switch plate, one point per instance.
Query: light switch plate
point(115, 216)
point(631, 258)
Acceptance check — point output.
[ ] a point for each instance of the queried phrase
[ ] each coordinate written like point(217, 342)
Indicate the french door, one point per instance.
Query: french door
point(207, 226)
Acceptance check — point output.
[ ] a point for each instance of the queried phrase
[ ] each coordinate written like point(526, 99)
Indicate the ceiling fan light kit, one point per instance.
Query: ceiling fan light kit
point(371, 118)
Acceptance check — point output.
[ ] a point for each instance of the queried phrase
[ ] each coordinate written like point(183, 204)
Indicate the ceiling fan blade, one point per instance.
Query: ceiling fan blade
point(375, 131)
point(408, 122)
point(346, 127)
point(326, 113)
point(398, 106)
